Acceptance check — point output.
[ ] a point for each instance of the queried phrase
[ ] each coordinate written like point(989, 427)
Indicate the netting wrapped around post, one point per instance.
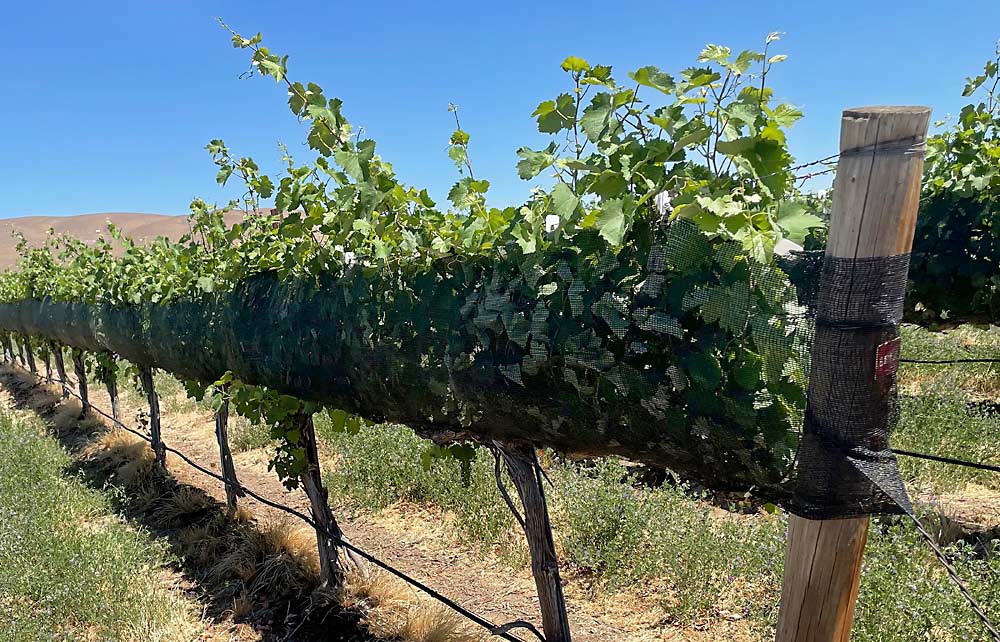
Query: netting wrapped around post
point(844, 465)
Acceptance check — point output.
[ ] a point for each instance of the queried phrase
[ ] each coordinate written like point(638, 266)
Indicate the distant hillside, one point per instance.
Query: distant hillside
point(89, 227)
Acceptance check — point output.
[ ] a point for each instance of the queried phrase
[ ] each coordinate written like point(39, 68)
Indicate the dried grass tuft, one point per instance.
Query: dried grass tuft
point(393, 611)
point(277, 557)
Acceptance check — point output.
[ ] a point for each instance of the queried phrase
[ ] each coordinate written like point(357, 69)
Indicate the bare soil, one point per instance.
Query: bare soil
point(417, 541)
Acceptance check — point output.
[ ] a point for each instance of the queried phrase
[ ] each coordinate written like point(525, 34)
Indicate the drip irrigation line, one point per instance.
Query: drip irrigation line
point(494, 629)
point(956, 579)
point(947, 361)
point(503, 630)
point(947, 460)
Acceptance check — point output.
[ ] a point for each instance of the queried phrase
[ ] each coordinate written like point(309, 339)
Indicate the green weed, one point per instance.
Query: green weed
point(69, 568)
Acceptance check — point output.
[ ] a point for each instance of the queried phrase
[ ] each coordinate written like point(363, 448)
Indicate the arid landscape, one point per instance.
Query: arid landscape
point(90, 227)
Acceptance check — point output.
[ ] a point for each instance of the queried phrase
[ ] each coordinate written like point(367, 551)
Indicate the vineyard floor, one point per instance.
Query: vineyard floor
point(409, 537)
point(69, 567)
point(403, 518)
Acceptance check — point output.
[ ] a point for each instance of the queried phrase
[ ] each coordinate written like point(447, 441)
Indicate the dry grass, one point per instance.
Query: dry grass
point(393, 611)
point(184, 505)
point(131, 459)
point(275, 556)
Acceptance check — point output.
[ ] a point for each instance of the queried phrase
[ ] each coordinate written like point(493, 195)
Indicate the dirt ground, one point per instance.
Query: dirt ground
point(416, 541)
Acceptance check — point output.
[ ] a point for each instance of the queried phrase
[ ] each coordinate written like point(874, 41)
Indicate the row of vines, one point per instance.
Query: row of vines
point(587, 318)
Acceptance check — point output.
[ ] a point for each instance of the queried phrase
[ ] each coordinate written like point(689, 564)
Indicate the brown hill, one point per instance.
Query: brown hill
point(89, 227)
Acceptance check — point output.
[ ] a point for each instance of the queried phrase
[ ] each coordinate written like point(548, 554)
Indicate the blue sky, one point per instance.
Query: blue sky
point(107, 105)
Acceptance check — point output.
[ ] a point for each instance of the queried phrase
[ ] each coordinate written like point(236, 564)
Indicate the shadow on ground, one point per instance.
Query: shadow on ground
point(258, 576)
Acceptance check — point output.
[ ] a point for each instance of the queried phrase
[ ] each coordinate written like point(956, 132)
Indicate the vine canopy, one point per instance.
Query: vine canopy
point(631, 305)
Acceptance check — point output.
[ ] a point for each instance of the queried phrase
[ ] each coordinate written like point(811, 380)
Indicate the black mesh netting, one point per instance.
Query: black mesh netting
point(844, 466)
point(675, 351)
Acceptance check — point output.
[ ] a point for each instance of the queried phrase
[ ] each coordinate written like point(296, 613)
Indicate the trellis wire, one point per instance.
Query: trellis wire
point(947, 361)
point(947, 460)
point(501, 630)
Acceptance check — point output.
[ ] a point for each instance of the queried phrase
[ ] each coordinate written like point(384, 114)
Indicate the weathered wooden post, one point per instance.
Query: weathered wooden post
point(30, 355)
point(524, 470)
point(149, 387)
point(233, 489)
point(47, 358)
point(80, 368)
point(876, 194)
point(60, 368)
point(111, 384)
point(8, 351)
point(312, 481)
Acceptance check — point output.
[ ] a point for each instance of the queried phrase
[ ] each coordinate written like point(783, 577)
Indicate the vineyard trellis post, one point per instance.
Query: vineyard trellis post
point(80, 367)
point(225, 453)
point(111, 385)
point(149, 387)
point(876, 196)
point(312, 482)
point(57, 354)
point(47, 358)
point(30, 356)
point(8, 351)
point(525, 473)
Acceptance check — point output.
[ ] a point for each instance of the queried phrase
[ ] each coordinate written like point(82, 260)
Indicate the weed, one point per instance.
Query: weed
point(70, 569)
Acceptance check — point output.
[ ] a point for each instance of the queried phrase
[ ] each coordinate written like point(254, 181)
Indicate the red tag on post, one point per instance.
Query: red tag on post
point(887, 359)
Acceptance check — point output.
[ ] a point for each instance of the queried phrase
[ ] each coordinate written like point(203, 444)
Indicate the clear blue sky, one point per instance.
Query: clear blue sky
point(107, 105)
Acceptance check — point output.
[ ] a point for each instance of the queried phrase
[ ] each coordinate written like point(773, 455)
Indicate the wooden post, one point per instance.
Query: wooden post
point(312, 481)
point(30, 356)
point(146, 378)
point(20, 352)
point(111, 384)
point(80, 367)
point(522, 464)
point(233, 490)
point(60, 368)
point(47, 358)
point(8, 351)
point(875, 199)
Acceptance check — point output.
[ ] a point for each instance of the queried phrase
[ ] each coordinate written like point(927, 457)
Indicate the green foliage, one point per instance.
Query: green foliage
point(609, 524)
point(376, 468)
point(705, 562)
point(550, 286)
point(906, 596)
point(69, 568)
point(955, 270)
point(949, 410)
